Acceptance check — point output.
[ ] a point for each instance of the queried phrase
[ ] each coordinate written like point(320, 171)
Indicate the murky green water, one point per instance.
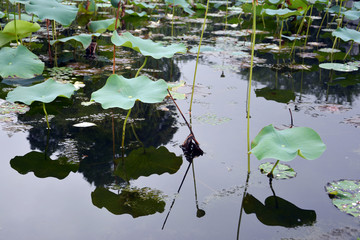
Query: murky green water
point(34, 207)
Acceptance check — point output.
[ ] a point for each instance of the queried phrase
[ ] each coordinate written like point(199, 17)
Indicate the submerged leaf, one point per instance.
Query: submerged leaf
point(43, 92)
point(148, 161)
point(147, 47)
point(281, 171)
point(286, 144)
point(345, 195)
point(19, 62)
point(123, 93)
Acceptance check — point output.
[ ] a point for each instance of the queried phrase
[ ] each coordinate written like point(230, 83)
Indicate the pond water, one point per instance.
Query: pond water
point(87, 201)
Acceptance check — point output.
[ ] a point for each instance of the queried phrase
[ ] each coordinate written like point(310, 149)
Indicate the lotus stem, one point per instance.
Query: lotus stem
point(226, 13)
point(19, 11)
point(322, 21)
point(142, 66)
point(172, 20)
point(136, 136)
point(253, 37)
point(116, 26)
point(16, 36)
point(347, 53)
point(46, 116)
point(242, 205)
point(308, 27)
point(299, 29)
point(332, 49)
point(123, 133)
point(197, 57)
point(270, 174)
point(54, 30)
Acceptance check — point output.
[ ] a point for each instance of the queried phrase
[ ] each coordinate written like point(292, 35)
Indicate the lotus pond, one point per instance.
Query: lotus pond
point(101, 101)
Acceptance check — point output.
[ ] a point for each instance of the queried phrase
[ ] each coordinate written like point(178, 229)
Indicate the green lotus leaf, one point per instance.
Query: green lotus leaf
point(115, 3)
point(122, 92)
point(300, 5)
point(19, 1)
point(278, 95)
point(134, 201)
point(183, 4)
point(23, 29)
point(25, 17)
point(43, 92)
point(347, 34)
point(345, 195)
point(131, 12)
point(286, 144)
point(84, 39)
point(281, 171)
point(52, 9)
point(2, 14)
point(147, 47)
point(352, 15)
point(143, 5)
point(103, 25)
point(43, 166)
point(336, 9)
point(145, 162)
point(341, 67)
point(356, 5)
point(282, 12)
point(19, 62)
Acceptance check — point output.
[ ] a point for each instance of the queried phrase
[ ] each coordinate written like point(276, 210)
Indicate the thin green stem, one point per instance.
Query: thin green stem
point(142, 66)
point(253, 37)
point(332, 50)
point(46, 116)
point(299, 29)
point(16, 36)
point(347, 53)
point(272, 170)
point(172, 20)
point(197, 57)
point(308, 27)
point(123, 133)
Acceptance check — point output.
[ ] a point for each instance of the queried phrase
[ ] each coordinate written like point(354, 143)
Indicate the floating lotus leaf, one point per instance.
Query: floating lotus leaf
point(286, 144)
point(84, 39)
point(182, 3)
point(131, 12)
point(278, 95)
point(19, 1)
point(345, 195)
point(281, 171)
point(19, 62)
point(52, 9)
point(136, 202)
point(103, 25)
point(43, 92)
point(43, 166)
point(123, 92)
point(338, 67)
point(147, 47)
point(23, 29)
point(143, 5)
point(347, 34)
point(25, 17)
point(282, 12)
point(278, 212)
point(148, 161)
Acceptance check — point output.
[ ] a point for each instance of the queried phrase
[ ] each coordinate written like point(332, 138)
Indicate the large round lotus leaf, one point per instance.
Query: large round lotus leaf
point(281, 171)
point(283, 12)
point(182, 3)
point(345, 195)
point(338, 67)
point(147, 47)
point(286, 144)
point(52, 9)
point(43, 166)
point(19, 62)
point(123, 92)
point(352, 15)
point(143, 5)
point(278, 95)
point(347, 34)
point(103, 25)
point(144, 162)
point(134, 201)
point(43, 92)
point(23, 29)
point(84, 39)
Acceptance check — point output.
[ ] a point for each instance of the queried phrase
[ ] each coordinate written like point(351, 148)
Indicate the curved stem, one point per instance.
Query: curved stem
point(272, 170)
point(142, 66)
point(197, 57)
point(46, 116)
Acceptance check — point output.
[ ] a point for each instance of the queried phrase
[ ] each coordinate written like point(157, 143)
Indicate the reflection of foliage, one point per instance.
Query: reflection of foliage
point(147, 161)
point(43, 166)
point(278, 212)
point(134, 201)
point(278, 95)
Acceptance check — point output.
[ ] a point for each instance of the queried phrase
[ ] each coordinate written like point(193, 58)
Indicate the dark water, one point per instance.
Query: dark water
point(49, 208)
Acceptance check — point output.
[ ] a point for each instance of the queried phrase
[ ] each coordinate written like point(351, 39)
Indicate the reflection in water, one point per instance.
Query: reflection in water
point(278, 212)
point(134, 201)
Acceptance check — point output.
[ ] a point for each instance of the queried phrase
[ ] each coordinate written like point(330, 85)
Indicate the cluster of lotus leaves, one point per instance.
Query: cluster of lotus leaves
point(285, 145)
